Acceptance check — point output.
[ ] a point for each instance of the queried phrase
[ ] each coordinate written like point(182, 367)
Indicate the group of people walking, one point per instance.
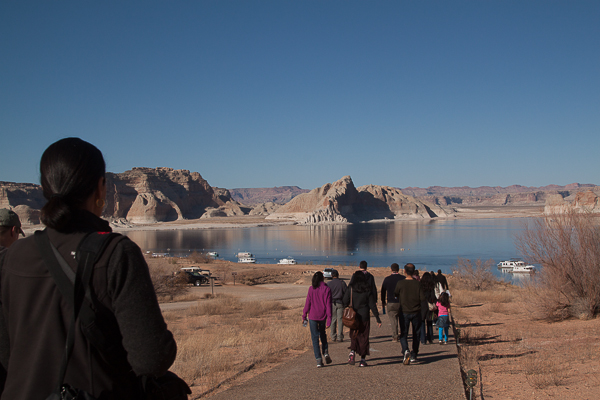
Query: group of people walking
point(411, 301)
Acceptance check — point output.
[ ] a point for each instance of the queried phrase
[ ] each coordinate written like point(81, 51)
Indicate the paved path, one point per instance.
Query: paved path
point(435, 377)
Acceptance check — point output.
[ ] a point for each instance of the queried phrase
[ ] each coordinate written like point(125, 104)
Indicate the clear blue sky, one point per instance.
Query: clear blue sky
point(273, 93)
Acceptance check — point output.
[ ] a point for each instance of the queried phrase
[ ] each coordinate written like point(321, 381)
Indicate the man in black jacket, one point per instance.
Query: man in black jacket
point(411, 295)
point(370, 278)
point(393, 304)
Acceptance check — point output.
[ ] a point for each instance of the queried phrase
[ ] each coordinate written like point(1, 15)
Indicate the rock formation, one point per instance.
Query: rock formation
point(25, 199)
point(255, 196)
point(146, 195)
point(341, 202)
point(587, 201)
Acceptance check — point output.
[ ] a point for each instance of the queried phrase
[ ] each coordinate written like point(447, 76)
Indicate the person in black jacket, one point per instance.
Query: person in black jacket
point(36, 316)
point(360, 298)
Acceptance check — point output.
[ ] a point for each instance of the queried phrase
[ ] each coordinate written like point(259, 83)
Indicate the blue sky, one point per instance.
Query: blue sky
point(274, 93)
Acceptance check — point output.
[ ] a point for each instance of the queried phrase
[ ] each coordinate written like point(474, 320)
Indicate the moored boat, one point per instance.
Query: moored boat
point(523, 269)
point(287, 261)
point(515, 266)
point(244, 254)
point(247, 260)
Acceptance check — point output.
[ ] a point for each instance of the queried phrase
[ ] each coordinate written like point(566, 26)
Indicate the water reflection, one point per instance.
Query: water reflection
point(428, 244)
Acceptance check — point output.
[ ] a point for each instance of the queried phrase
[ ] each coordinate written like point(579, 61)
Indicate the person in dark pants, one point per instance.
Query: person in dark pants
point(359, 297)
point(428, 307)
point(338, 289)
point(370, 279)
point(409, 293)
point(393, 305)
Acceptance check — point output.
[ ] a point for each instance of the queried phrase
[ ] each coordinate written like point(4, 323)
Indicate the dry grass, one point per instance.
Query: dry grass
point(517, 356)
point(234, 335)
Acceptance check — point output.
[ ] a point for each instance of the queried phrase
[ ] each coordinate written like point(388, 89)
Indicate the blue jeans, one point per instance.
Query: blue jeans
point(443, 325)
point(416, 333)
point(317, 329)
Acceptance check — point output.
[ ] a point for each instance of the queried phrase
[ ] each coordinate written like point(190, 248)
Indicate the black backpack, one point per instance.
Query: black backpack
point(98, 323)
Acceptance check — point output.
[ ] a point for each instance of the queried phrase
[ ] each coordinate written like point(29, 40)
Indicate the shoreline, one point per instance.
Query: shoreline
point(479, 212)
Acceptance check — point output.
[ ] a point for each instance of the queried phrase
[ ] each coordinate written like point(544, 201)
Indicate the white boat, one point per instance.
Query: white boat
point(244, 254)
point(523, 269)
point(247, 260)
point(212, 254)
point(287, 261)
point(515, 266)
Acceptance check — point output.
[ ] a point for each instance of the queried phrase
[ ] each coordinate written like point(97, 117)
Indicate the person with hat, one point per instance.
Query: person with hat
point(10, 228)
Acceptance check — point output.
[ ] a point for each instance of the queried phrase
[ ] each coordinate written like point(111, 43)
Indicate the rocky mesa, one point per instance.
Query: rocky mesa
point(342, 202)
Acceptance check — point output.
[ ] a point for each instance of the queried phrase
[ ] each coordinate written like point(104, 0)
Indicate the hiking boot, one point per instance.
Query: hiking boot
point(351, 359)
point(327, 359)
point(340, 340)
point(319, 363)
point(363, 363)
point(413, 359)
point(406, 358)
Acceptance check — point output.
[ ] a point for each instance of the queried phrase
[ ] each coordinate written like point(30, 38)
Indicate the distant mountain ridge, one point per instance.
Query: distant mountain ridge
point(254, 196)
point(489, 190)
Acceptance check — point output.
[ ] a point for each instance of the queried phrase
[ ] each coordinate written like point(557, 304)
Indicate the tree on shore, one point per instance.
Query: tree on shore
point(567, 246)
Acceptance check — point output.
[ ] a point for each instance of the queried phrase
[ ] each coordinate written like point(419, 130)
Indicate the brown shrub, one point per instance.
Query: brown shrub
point(167, 283)
point(568, 248)
point(476, 275)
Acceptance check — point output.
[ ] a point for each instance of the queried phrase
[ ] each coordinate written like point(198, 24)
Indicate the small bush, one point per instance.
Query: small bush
point(476, 275)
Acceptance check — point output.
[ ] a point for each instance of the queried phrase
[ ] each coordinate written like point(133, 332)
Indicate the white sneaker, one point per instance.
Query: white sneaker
point(406, 358)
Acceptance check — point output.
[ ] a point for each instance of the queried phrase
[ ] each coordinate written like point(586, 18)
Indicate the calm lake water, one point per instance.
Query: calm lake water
point(433, 245)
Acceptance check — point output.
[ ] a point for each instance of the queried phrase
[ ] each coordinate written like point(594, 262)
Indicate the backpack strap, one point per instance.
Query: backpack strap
point(74, 296)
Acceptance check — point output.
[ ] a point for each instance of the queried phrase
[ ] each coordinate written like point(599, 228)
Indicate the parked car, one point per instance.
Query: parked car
point(196, 278)
point(327, 273)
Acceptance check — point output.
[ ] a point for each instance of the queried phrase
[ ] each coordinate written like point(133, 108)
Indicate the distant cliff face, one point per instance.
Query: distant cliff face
point(493, 196)
point(341, 202)
point(587, 201)
point(146, 195)
point(25, 199)
point(142, 195)
point(255, 196)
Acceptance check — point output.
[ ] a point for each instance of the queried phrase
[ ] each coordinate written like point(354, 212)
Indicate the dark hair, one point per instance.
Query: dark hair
point(360, 283)
point(335, 273)
point(427, 281)
point(409, 269)
point(395, 267)
point(362, 265)
point(444, 299)
point(317, 279)
point(70, 170)
point(439, 271)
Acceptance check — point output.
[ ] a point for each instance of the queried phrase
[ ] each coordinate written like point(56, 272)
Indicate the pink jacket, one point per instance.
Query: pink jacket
point(318, 304)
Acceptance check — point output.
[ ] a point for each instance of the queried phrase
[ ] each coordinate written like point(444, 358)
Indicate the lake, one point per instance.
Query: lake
point(431, 244)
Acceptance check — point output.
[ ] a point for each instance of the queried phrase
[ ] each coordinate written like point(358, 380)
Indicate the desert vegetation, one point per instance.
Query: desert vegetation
point(518, 357)
point(223, 337)
point(476, 274)
point(568, 248)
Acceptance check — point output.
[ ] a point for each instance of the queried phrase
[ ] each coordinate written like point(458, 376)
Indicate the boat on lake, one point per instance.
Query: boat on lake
point(523, 269)
point(247, 260)
point(515, 266)
point(244, 254)
point(212, 254)
point(287, 261)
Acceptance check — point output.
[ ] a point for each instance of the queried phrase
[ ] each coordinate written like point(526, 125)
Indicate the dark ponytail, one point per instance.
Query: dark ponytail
point(70, 170)
point(317, 279)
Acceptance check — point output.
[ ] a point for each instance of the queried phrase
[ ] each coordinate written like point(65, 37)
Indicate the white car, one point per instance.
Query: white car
point(327, 273)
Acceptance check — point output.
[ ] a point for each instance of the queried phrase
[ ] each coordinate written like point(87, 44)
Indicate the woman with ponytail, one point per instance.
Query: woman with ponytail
point(36, 316)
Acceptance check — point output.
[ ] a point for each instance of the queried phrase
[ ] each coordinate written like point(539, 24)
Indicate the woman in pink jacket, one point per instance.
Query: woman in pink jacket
point(318, 308)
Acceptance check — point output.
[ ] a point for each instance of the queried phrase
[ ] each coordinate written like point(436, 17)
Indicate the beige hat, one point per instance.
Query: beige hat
point(10, 218)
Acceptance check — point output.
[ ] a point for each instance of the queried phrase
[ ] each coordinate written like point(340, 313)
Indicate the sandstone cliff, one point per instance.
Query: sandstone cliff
point(142, 195)
point(341, 202)
point(587, 201)
point(25, 199)
point(146, 195)
point(255, 196)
